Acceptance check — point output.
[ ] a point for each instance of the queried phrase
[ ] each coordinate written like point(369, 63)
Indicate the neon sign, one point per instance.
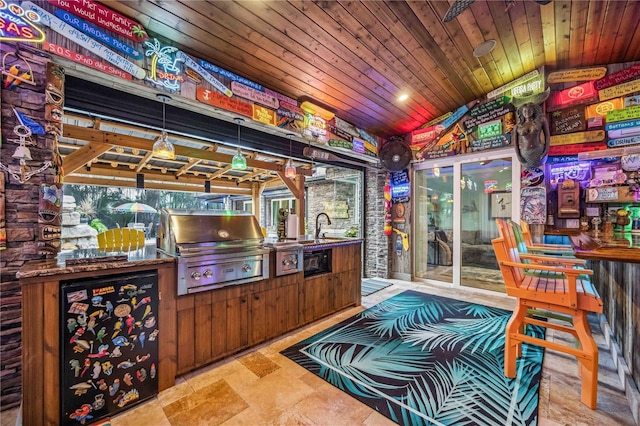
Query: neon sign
point(16, 24)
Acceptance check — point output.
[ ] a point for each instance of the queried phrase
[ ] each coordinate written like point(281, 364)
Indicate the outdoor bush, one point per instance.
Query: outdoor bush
point(98, 225)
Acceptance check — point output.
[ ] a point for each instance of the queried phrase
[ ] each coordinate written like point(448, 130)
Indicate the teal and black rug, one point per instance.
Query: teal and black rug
point(420, 359)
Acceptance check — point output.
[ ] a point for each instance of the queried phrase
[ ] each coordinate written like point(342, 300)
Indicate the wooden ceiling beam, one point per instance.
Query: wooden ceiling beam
point(152, 185)
point(93, 135)
point(82, 156)
point(144, 160)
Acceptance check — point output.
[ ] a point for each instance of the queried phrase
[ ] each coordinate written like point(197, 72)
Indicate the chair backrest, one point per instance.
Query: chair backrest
point(506, 249)
point(121, 239)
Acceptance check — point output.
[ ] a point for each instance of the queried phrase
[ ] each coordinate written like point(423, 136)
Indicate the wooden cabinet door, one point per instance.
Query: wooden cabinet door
point(287, 307)
point(237, 323)
point(185, 333)
point(316, 297)
point(347, 288)
point(263, 316)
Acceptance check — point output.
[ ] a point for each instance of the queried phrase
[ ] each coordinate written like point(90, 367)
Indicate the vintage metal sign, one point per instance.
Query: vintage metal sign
point(221, 101)
point(624, 114)
point(264, 115)
point(576, 74)
point(87, 42)
point(577, 138)
point(622, 125)
point(602, 194)
point(519, 81)
point(17, 24)
point(576, 148)
point(580, 94)
point(619, 90)
point(423, 136)
point(618, 77)
point(104, 17)
point(569, 120)
point(632, 140)
point(98, 34)
point(247, 92)
point(490, 143)
point(85, 60)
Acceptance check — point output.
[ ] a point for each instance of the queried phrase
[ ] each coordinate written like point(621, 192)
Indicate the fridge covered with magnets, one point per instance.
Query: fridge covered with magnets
point(109, 345)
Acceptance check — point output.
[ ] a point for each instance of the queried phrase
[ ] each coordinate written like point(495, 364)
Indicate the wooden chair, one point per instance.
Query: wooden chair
point(121, 239)
point(523, 236)
point(558, 287)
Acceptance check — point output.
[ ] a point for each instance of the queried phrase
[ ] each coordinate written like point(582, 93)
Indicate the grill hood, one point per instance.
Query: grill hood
point(184, 231)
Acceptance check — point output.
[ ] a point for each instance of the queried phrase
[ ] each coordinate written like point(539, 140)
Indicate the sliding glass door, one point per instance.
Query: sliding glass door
point(456, 202)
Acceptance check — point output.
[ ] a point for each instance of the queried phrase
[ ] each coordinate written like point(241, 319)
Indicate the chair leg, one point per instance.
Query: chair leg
point(512, 345)
point(588, 364)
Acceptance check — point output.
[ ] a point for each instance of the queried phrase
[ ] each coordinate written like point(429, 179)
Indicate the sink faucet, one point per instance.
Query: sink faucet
point(318, 225)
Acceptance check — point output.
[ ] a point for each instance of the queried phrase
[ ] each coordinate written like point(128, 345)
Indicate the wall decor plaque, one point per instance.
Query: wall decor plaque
point(579, 137)
point(576, 74)
point(569, 120)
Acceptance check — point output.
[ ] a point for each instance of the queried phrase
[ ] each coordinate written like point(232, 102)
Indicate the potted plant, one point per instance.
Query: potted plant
point(87, 210)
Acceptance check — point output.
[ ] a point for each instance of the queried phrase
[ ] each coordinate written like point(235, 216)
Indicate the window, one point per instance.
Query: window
point(280, 203)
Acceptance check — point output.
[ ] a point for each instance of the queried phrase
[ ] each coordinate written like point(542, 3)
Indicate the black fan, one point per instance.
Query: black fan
point(395, 154)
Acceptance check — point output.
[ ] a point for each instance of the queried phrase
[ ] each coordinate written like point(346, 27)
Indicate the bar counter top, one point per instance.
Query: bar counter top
point(621, 248)
point(89, 260)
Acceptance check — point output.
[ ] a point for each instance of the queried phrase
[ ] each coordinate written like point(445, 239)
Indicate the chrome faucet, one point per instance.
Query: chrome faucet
point(319, 226)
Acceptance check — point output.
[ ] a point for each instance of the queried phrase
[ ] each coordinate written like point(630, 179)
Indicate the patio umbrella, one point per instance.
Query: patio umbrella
point(134, 208)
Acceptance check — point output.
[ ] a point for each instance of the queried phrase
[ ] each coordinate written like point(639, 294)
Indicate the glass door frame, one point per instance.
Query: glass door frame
point(456, 162)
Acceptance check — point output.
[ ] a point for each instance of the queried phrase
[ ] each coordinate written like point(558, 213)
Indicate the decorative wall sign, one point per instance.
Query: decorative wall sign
point(247, 92)
point(631, 100)
point(570, 120)
point(188, 62)
point(488, 116)
point(85, 41)
point(3, 221)
point(577, 138)
point(400, 187)
point(457, 115)
point(533, 205)
point(234, 77)
point(449, 144)
point(340, 143)
point(437, 120)
point(86, 61)
point(490, 130)
point(602, 108)
point(622, 125)
point(602, 194)
point(16, 70)
point(618, 77)
point(580, 94)
point(528, 88)
point(103, 16)
point(264, 115)
point(624, 114)
point(164, 70)
point(532, 176)
point(562, 158)
point(315, 128)
point(488, 106)
point(518, 81)
point(344, 126)
point(490, 143)
point(630, 162)
point(98, 34)
point(18, 24)
point(424, 136)
point(632, 140)
point(619, 90)
point(576, 74)
point(221, 101)
point(336, 209)
point(577, 148)
point(577, 171)
point(624, 133)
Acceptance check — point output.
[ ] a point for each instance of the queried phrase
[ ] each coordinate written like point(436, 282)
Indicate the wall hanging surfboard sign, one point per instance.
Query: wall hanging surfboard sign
point(85, 41)
point(532, 176)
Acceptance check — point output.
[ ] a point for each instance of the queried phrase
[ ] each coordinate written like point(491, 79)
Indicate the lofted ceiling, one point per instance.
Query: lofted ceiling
point(357, 57)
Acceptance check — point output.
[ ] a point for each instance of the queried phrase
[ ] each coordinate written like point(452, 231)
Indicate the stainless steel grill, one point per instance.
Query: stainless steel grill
point(213, 249)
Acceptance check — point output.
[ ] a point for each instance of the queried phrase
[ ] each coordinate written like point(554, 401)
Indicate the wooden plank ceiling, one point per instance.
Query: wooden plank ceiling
point(356, 57)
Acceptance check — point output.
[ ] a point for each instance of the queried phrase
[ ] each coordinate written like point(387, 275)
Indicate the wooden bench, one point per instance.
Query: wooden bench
point(551, 284)
point(121, 239)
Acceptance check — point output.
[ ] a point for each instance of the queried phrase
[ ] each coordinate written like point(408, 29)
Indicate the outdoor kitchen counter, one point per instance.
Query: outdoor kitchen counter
point(40, 282)
point(92, 260)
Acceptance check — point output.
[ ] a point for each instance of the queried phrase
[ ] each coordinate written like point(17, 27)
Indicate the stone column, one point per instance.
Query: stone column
point(376, 245)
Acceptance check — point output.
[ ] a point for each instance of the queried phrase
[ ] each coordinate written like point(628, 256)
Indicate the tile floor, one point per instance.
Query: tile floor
point(262, 387)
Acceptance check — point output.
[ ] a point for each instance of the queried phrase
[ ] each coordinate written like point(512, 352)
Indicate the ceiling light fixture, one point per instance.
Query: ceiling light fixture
point(403, 97)
point(162, 148)
point(290, 170)
point(238, 162)
point(484, 48)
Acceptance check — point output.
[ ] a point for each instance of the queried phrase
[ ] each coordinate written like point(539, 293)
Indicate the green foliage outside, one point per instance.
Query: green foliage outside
point(98, 225)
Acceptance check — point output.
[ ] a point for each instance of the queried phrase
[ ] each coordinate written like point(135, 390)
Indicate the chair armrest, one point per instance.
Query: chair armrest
point(556, 250)
point(538, 267)
point(560, 260)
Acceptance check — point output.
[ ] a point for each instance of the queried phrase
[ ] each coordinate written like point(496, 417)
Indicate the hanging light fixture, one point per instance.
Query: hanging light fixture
point(238, 162)
point(290, 170)
point(162, 148)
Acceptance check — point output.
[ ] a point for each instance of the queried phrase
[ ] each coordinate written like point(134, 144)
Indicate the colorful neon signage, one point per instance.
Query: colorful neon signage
point(17, 24)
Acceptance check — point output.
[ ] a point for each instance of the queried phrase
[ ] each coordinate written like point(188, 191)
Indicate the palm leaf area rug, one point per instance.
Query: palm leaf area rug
point(421, 359)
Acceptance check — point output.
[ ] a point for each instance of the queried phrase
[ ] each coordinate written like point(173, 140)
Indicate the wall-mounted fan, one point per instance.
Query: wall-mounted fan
point(459, 6)
point(395, 154)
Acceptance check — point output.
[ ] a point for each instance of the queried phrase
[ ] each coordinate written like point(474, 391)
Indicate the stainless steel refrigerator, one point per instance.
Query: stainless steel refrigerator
point(109, 345)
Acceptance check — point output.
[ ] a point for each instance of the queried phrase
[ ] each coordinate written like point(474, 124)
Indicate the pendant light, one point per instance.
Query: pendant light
point(290, 170)
point(162, 148)
point(238, 162)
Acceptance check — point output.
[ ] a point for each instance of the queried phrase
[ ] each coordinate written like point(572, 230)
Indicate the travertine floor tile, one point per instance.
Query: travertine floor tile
point(180, 390)
point(149, 412)
point(248, 417)
point(259, 364)
point(231, 370)
point(329, 405)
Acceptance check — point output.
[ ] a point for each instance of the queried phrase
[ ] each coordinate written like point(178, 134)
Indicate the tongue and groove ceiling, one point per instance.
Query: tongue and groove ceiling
point(356, 57)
